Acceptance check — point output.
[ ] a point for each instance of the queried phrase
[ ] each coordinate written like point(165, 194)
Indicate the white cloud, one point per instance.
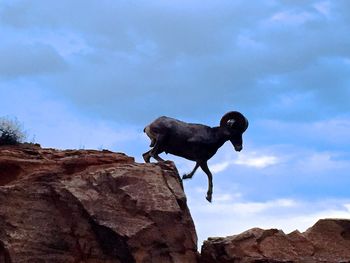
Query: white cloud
point(225, 197)
point(347, 206)
point(256, 161)
point(220, 166)
point(236, 205)
point(292, 18)
point(66, 43)
point(245, 208)
point(333, 130)
point(320, 162)
point(324, 8)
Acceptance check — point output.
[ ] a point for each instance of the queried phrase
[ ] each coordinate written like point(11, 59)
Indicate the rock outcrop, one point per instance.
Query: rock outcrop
point(87, 206)
point(91, 206)
point(327, 241)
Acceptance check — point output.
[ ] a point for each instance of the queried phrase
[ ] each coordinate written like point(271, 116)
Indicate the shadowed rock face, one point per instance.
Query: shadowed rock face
point(91, 206)
point(327, 241)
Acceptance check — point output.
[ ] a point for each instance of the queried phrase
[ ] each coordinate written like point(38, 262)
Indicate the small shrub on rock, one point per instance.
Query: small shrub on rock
point(11, 131)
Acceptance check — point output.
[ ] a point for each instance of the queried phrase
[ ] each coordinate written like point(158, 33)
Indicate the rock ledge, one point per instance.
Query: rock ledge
point(91, 206)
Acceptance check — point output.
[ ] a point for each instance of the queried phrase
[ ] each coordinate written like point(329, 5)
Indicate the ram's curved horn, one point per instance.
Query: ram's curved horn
point(240, 122)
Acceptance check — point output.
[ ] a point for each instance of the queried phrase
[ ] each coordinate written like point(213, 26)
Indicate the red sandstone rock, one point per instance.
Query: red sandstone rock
point(327, 241)
point(91, 206)
point(99, 206)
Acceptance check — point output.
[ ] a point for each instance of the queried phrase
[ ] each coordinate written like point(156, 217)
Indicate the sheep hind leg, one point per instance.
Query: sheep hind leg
point(190, 175)
point(205, 169)
point(157, 149)
point(158, 158)
point(147, 156)
point(153, 142)
point(151, 135)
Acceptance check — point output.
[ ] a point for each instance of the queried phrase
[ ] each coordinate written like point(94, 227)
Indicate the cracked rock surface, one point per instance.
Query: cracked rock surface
point(91, 206)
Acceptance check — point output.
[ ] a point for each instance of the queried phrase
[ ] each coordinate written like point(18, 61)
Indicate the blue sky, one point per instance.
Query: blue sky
point(92, 74)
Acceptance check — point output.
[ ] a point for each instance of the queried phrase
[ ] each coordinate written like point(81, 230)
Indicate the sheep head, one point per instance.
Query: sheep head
point(236, 124)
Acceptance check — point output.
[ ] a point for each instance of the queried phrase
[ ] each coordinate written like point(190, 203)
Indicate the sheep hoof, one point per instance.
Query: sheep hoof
point(209, 198)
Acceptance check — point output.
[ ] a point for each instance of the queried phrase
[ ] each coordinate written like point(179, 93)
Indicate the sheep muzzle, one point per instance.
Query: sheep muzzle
point(238, 147)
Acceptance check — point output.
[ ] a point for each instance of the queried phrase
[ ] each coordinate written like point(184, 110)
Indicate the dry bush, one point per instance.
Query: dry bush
point(11, 131)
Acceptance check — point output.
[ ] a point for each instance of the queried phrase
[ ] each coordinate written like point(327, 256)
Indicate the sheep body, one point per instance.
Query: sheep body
point(196, 142)
point(191, 141)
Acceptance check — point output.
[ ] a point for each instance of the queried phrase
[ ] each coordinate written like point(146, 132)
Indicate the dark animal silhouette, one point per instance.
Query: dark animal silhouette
point(194, 142)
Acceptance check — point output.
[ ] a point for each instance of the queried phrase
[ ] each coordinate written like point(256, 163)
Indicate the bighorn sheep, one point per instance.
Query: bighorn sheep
point(194, 142)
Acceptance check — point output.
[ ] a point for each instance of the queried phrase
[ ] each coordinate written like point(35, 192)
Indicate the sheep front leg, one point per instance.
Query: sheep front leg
point(205, 169)
point(190, 175)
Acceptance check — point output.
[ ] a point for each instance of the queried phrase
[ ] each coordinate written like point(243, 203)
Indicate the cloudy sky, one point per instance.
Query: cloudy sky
point(92, 74)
